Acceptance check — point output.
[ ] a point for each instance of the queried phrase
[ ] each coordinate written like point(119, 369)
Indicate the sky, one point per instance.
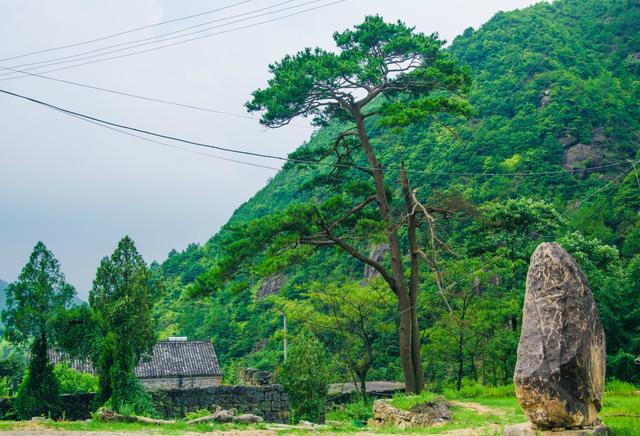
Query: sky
point(79, 187)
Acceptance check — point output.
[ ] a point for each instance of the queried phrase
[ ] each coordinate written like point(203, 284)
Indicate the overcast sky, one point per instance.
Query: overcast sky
point(79, 187)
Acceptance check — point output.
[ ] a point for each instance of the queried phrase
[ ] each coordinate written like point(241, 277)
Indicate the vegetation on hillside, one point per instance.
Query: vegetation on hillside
point(546, 156)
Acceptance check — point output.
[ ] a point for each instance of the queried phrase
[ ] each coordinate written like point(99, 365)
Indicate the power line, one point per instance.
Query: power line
point(141, 97)
point(270, 156)
point(113, 35)
point(146, 132)
point(165, 144)
point(183, 41)
point(159, 38)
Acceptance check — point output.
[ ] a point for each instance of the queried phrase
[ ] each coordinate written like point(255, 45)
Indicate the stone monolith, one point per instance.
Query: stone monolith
point(559, 374)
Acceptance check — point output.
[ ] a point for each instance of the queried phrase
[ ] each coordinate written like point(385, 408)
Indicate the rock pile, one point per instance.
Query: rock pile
point(559, 374)
point(421, 415)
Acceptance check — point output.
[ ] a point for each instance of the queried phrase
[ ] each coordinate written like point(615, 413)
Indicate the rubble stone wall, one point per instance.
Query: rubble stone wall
point(269, 402)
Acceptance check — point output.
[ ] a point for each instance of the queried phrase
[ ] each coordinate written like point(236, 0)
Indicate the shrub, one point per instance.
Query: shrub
point(351, 411)
point(304, 377)
point(622, 366)
point(74, 382)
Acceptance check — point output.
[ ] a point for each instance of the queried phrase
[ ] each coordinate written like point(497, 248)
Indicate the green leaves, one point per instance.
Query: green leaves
point(121, 300)
point(38, 296)
point(375, 59)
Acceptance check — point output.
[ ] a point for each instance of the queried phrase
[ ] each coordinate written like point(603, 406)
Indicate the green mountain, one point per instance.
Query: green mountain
point(556, 95)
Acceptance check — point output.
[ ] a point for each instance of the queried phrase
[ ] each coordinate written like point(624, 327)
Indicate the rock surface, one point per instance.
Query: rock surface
point(270, 286)
point(560, 369)
point(377, 253)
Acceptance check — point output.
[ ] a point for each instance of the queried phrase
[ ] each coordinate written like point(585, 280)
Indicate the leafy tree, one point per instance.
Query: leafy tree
point(72, 381)
point(121, 299)
point(34, 301)
point(304, 377)
point(352, 321)
point(383, 70)
point(13, 360)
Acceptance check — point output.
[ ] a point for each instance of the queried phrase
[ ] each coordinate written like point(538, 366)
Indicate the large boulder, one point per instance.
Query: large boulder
point(559, 374)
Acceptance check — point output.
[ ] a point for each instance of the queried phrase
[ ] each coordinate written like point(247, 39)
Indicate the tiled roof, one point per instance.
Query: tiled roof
point(169, 359)
point(180, 358)
point(82, 365)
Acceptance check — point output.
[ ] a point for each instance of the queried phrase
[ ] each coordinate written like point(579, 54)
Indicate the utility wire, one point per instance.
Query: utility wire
point(270, 156)
point(114, 35)
point(160, 38)
point(180, 42)
point(141, 97)
point(165, 144)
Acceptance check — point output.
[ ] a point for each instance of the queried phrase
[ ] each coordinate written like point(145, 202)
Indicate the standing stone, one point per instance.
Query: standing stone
point(559, 374)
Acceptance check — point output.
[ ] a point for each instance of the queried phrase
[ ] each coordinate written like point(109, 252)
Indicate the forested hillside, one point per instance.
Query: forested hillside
point(548, 155)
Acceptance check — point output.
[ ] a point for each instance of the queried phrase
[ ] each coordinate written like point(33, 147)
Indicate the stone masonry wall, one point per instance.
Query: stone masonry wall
point(269, 402)
point(154, 384)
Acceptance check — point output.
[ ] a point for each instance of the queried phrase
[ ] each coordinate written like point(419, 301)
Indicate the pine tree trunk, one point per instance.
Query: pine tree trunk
point(409, 348)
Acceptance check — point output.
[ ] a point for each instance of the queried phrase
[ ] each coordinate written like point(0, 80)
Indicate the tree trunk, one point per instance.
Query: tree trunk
point(407, 346)
point(460, 362)
point(363, 386)
point(414, 282)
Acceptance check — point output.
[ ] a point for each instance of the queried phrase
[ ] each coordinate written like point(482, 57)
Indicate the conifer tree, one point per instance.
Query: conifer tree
point(34, 302)
point(121, 301)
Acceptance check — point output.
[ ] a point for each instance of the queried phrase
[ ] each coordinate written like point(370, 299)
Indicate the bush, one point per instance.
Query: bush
point(304, 377)
point(356, 411)
point(74, 382)
point(129, 396)
point(622, 366)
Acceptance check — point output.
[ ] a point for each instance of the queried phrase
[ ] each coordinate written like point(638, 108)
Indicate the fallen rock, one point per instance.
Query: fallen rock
point(247, 418)
point(421, 415)
point(218, 415)
point(108, 415)
point(559, 373)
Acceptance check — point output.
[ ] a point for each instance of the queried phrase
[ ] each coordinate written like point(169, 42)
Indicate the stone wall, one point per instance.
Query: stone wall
point(154, 384)
point(77, 406)
point(269, 402)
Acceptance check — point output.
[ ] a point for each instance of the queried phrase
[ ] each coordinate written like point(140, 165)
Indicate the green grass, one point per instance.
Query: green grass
point(621, 413)
point(476, 390)
point(165, 429)
point(406, 402)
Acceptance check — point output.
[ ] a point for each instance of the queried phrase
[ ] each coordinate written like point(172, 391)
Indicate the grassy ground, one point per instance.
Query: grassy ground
point(490, 410)
point(485, 411)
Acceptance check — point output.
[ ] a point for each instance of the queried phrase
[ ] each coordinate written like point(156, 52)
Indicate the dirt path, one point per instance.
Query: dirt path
point(480, 408)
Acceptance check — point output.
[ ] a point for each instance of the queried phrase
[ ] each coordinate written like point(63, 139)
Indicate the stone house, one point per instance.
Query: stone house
point(175, 364)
